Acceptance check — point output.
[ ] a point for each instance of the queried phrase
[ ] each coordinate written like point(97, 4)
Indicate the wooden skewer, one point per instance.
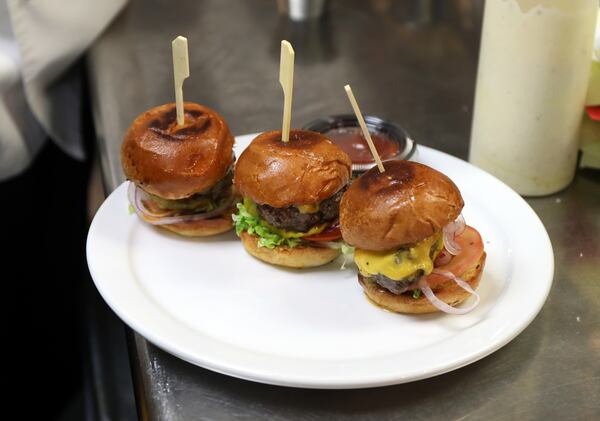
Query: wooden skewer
point(286, 79)
point(181, 71)
point(363, 126)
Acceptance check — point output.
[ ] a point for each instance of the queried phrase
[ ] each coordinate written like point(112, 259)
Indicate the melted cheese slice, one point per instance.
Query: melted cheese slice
point(308, 208)
point(399, 264)
point(317, 229)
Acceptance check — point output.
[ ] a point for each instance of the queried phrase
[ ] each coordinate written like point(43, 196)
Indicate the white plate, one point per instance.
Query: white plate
point(209, 303)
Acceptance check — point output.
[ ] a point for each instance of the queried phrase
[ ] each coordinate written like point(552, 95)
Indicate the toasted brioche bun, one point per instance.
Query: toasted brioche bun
point(292, 257)
point(175, 162)
point(306, 170)
point(403, 205)
point(449, 292)
point(204, 227)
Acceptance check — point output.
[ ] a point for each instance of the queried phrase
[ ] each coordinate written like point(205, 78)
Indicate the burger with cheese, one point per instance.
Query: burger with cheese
point(291, 193)
point(413, 251)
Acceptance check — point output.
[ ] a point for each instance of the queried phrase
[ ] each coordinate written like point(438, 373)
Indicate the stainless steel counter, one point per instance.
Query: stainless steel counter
point(413, 62)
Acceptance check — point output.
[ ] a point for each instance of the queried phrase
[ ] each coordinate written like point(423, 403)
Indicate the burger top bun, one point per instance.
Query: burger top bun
point(403, 205)
point(175, 162)
point(306, 170)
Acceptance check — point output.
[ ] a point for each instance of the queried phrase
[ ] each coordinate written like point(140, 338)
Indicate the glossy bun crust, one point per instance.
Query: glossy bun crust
point(449, 292)
point(403, 205)
point(175, 162)
point(296, 257)
point(306, 170)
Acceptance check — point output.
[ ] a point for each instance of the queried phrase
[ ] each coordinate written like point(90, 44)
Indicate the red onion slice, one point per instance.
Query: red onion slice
point(442, 306)
point(136, 196)
point(451, 231)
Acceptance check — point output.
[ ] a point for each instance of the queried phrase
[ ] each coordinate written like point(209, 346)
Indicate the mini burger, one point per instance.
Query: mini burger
point(413, 251)
point(181, 176)
point(291, 193)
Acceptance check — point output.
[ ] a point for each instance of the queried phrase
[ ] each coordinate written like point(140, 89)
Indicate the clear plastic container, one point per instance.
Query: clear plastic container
point(531, 85)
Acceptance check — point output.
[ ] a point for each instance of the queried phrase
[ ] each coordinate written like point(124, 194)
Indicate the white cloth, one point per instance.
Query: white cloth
point(42, 98)
point(16, 121)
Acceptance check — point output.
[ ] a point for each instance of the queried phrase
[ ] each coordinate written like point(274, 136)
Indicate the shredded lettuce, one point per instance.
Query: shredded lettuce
point(416, 293)
point(347, 253)
point(247, 220)
point(347, 249)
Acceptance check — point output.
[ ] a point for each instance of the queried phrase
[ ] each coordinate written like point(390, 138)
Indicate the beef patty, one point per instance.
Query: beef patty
point(291, 219)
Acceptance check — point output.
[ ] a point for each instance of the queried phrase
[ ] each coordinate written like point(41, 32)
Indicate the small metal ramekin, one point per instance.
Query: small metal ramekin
point(406, 146)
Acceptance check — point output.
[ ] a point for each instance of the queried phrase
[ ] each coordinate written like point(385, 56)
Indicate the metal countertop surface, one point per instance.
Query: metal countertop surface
point(413, 62)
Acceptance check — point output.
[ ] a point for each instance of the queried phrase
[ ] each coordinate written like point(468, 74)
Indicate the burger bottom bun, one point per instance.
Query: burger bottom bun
point(449, 292)
point(291, 257)
point(204, 227)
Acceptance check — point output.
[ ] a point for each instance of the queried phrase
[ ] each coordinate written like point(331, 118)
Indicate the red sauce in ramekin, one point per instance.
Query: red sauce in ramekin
point(352, 141)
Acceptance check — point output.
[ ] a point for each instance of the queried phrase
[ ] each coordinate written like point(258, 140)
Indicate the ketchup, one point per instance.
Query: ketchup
point(352, 141)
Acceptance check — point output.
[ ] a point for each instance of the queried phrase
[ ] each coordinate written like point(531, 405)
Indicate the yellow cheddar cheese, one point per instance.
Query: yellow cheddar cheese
point(399, 264)
point(308, 208)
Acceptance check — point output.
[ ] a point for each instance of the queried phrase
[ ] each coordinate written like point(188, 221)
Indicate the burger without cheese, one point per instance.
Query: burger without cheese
point(181, 176)
point(291, 193)
point(412, 249)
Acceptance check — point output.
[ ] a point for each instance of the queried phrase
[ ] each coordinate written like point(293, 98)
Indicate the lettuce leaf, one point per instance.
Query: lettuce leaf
point(347, 253)
point(347, 249)
point(247, 220)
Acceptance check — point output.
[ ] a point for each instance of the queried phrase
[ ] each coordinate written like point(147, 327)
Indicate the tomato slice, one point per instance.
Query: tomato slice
point(472, 249)
point(331, 233)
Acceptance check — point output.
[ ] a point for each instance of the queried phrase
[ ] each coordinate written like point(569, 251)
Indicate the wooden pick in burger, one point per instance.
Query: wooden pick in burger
point(286, 79)
point(181, 71)
point(363, 126)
